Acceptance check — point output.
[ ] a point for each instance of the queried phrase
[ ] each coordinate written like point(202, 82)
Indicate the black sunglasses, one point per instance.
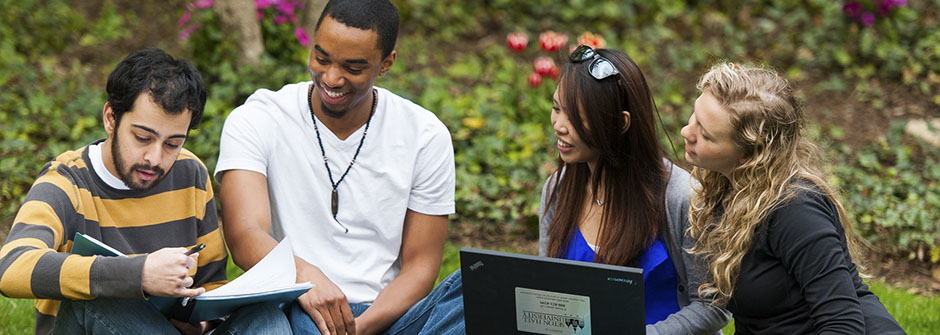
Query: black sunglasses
point(599, 67)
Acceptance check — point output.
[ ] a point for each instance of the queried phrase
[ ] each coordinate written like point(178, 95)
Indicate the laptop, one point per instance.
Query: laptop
point(506, 293)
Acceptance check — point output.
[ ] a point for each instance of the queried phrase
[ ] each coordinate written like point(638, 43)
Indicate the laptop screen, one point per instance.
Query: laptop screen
point(506, 293)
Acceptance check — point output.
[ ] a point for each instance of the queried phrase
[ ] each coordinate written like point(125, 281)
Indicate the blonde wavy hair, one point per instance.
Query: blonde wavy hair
point(767, 128)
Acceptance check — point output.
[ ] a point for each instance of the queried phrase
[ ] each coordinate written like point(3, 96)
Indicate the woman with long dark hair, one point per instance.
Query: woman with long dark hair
point(615, 198)
point(776, 239)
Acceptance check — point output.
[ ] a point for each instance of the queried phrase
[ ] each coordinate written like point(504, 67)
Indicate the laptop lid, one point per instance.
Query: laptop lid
point(506, 293)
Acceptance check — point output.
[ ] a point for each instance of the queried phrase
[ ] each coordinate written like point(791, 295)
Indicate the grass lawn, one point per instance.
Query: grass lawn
point(916, 314)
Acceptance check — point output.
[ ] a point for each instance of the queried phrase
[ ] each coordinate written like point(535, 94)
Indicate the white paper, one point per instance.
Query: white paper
point(275, 271)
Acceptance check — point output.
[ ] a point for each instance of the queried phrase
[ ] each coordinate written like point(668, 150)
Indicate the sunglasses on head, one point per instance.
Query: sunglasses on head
point(599, 67)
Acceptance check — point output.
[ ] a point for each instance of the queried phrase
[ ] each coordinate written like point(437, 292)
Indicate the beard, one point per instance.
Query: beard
point(336, 114)
point(127, 174)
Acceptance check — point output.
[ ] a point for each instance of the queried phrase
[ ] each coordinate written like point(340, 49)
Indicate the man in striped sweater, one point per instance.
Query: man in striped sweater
point(138, 191)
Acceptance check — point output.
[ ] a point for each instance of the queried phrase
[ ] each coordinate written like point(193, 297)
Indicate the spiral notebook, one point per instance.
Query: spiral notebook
point(271, 280)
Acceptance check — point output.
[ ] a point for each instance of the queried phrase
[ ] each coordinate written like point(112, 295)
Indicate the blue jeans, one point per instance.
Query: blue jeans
point(121, 316)
point(440, 313)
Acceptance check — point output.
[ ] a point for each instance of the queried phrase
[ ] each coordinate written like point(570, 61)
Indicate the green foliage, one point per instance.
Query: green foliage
point(891, 190)
point(44, 115)
point(499, 128)
point(452, 60)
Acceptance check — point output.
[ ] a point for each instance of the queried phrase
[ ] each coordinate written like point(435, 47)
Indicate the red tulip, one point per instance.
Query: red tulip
point(552, 41)
point(535, 79)
point(543, 65)
point(554, 72)
point(517, 41)
point(591, 40)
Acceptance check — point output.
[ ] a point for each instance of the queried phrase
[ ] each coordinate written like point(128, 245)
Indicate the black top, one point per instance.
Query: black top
point(799, 278)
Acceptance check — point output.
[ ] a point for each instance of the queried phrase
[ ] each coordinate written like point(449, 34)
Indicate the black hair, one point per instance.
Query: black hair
point(380, 16)
point(632, 152)
point(174, 84)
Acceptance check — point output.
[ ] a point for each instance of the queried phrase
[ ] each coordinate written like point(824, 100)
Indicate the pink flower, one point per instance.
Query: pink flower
point(884, 7)
point(184, 19)
point(301, 36)
point(185, 33)
point(280, 19)
point(262, 4)
point(202, 3)
point(285, 7)
point(552, 41)
point(591, 40)
point(517, 41)
point(535, 79)
point(543, 65)
point(868, 19)
point(260, 14)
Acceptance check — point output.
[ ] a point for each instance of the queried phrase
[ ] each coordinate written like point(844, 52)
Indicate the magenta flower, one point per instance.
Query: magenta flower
point(301, 36)
point(261, 4)
point(202, 3)
point(280, 19)
point(185, 33)
point(884, 8)
point(285, 7)
point(852, 9)
point(868, 19)
point(184, 19)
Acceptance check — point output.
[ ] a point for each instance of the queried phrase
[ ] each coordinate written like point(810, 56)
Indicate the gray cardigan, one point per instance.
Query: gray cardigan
point(694, 316)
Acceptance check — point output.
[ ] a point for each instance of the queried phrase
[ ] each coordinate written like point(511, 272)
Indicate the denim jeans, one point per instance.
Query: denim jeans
point(440, 313)
point(121, 316)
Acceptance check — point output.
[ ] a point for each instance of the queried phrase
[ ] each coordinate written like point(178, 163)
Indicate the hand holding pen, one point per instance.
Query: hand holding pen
point(166, 272)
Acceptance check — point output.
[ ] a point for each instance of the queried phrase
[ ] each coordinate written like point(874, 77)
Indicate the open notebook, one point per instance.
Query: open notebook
point(270, 280)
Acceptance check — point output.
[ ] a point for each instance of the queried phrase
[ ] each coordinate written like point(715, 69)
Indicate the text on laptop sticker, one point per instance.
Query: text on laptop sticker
point(552, 313)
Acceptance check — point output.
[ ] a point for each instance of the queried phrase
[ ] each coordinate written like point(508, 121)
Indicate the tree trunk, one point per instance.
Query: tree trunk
point(240, 17)
point(312, 10)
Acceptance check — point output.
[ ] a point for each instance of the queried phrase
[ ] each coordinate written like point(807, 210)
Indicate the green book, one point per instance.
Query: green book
point(271, 280)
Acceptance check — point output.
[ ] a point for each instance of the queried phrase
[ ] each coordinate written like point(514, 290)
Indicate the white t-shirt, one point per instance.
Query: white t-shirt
point(97, 161)
point(406, 162)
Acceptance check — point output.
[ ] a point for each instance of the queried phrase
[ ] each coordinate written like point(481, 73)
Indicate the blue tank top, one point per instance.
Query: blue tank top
point(659, 275)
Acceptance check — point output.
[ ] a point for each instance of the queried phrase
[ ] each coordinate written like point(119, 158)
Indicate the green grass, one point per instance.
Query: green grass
point(916, 314)
point(16, 316)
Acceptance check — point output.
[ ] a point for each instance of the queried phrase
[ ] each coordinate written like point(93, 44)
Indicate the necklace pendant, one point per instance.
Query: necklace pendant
point(335, 202)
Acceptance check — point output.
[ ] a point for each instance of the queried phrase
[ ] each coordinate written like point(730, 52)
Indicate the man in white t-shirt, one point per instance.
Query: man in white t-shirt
point(361, 180)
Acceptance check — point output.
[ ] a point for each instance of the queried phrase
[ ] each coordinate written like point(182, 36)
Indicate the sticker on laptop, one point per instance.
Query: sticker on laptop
point(552, 313)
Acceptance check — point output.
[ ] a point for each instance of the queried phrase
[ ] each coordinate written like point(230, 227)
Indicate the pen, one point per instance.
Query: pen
point(195, 249)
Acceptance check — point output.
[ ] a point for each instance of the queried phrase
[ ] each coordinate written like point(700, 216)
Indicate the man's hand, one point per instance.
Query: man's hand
point(166, 273)
point(325, 303)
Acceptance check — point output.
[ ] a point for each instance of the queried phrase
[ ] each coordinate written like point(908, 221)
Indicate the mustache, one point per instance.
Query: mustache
point(156, 169)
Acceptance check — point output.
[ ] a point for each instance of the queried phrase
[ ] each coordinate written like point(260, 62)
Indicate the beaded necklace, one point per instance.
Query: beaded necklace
point(334, 197)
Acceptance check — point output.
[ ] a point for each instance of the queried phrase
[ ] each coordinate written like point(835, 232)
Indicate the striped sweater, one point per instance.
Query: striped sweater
point(68, 197)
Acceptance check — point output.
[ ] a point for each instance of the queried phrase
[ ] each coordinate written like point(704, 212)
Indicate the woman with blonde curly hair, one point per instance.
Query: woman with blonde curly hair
point(778, 243)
